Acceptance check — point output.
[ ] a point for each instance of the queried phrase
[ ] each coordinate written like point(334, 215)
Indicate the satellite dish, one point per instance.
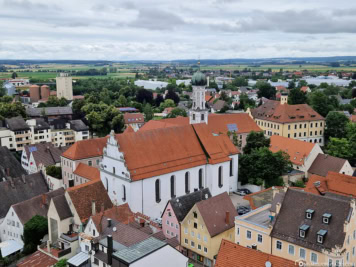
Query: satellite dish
point(268, 264)
point(114, 229)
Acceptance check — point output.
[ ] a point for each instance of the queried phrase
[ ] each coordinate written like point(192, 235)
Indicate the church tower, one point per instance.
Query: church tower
point(198, 113)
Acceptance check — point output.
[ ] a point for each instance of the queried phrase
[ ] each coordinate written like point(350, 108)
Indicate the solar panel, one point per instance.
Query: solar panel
point(32, 149)
point(232, 127)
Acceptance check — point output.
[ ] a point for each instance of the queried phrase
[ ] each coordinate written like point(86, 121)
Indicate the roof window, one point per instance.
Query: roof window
point(321, 236)
point(326, 218)
point(303, 230)
point(309, 214)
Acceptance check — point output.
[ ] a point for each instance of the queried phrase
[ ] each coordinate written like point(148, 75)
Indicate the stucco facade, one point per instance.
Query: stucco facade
point(170, 224)
point(11, 227)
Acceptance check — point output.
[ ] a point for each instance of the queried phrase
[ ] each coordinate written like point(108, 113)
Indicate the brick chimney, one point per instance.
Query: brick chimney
point(44, 199)
point(227, 217)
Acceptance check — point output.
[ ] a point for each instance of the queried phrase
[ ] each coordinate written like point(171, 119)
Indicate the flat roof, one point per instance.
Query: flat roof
point(261, 218)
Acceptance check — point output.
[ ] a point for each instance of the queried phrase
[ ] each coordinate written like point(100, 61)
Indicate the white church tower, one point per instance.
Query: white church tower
point(198, 112)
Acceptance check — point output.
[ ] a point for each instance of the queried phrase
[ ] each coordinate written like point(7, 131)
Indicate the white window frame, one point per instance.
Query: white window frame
point(258, 237)
point(311, 257)
point(247, 232)
point(279, 242)
point(300, 254)
point(291, 247)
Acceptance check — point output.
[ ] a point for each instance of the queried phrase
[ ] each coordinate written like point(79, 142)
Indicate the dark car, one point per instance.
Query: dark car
point(243, 210)
point(245, 190)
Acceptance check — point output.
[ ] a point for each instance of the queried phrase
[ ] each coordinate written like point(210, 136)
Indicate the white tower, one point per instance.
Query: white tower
point(198, 112)
point(64, 86)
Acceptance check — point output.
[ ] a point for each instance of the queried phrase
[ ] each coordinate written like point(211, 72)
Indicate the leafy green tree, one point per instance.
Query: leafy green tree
point(266, 90)
point(172, 95)
point(34, 230)
point(144, 95)
point(291, 85)
point(14, 75)
point(118, 123)
point(320, 103)
point(9, 110)
point(159, 99)
point(335, 123)
point(245, 102)
point(61, 263)
point(168, 103)
point(302, 83)
point(122, 102)
point(263, 167)
point(148, 111)
point(297, 96)
point(340, 147)
point(240, 81)
point(255, 140)
point(54, 171)
point(176, 112)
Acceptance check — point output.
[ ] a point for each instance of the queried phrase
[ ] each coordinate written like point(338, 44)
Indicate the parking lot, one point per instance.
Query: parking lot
point(239, 201)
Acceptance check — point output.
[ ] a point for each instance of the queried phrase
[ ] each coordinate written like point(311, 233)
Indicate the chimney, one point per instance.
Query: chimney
point(227, 217)
point(109, 249)
point(44, 199)
point(93, 210)
point(109, 222)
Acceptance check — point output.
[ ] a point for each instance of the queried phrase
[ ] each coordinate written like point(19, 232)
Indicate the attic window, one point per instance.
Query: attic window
point(303, 230)
point(321, 236)
point(195, 214)
point(326, 218)
point(309, 214)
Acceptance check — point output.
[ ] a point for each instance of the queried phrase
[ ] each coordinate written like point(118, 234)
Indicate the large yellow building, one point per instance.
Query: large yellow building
point(293, 121)
point(302, 227)
point(206, 224)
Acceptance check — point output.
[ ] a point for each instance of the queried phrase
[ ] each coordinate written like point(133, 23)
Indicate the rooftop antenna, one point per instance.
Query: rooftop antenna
point(199, 62)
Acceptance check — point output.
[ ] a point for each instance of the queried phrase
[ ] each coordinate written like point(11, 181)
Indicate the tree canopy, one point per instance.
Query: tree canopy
point(34, 230)
point(335, 123)
point(297, 96)
point(255, 140)
point(266, 90)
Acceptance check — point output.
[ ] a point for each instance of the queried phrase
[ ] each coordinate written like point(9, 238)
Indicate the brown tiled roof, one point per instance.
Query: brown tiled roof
point(324, 163)
point(296, 149)
point(38, 205)
point(61, 205)
point(45, 153)
point(87, 172)
point(292, 216)
point(83, 195)
point(133, 118)
point(213, 211)
point(86, 149)
point(353, 118)
point(122, 214)
point(276, 112)
point(37, 259)
point(217, 123)
point(334, 182)
point(233, 255)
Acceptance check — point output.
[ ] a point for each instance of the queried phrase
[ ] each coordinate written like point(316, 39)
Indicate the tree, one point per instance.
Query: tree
point(144, 95)
point(263, 167)
point(34, 230)
point(168, 103)
point(118, 123)
point(302, 83)
point(176, 112)
point(255, 140)
point(266, 90)
point(159, 99)
point(61, 263)
point(320, 103)
point(245, 102)
point(297, 96)
point(291, 85)
point(122, 102)
point(335, 123)
point(240, 81)
point(172, 95)
point(54, 171)
point(147, 110)
point(340, 147)
point(14, 75)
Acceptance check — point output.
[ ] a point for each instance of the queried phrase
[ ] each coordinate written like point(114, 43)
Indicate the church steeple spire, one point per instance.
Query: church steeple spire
point(198, 112)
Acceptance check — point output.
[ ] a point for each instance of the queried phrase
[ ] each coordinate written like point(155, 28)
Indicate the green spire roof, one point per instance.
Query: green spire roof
point(198, 79)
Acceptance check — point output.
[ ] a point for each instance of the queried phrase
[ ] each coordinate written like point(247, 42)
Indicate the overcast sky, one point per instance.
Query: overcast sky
point(179, 29)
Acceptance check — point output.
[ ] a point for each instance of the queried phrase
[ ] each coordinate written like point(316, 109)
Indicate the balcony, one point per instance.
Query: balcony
point(69, 237)
point(55, 250)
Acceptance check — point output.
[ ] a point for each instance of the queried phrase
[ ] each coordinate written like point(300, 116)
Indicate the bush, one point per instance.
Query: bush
point(299, 183)
point(54, 171)
point(35, 229)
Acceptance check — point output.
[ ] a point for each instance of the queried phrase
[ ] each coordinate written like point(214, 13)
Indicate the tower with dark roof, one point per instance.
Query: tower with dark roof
point(198, 113)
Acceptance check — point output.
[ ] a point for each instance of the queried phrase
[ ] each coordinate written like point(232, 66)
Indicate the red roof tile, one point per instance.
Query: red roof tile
point(296, 149)
point(129, 129)
point(87, 172)
point(233, 255)
point(86, 149)
point(133, 118)
point(37, 259)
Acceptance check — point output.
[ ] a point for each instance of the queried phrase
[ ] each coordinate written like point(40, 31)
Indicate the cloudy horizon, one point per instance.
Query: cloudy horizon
point(169, 30)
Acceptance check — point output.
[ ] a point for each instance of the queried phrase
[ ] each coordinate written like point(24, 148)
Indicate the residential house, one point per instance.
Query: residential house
point(12, 227)
point(205, 226)
point(9, 165)
point(305, 89)
point(333, 182)
point(325, 163)
point(218, 105)
point(39, 156)
point(176, 210)
point(19, 189)
point(65, 133)
point(89, 152)
point(37, 259)
point(181, 159)
point(16, 135)
point(40, 131)
point(85, 173)
point(233, 255)
point(239, 125)
point(301, 154)
point(127, 246)
point(135, 120)
point(317, 230)
point(167, 111)
point(10, 89)
point(299, 122)
point(69, 213)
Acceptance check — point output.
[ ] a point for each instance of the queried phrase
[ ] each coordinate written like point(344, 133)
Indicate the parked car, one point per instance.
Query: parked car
point(243, 210)
point(245, 190)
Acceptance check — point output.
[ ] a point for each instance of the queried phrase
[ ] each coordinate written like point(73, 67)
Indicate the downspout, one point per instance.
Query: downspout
point(142, 196)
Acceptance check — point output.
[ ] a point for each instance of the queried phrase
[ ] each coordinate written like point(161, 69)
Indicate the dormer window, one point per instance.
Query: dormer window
point(321, 236)
point(303, 230)
point(309, 214)
point(326, 218)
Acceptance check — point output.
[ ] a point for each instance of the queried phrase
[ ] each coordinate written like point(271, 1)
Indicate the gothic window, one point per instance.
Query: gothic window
point(158, 190)
point(173, 186)
point(220, 176)
point(201, 179)
point(187, 186)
